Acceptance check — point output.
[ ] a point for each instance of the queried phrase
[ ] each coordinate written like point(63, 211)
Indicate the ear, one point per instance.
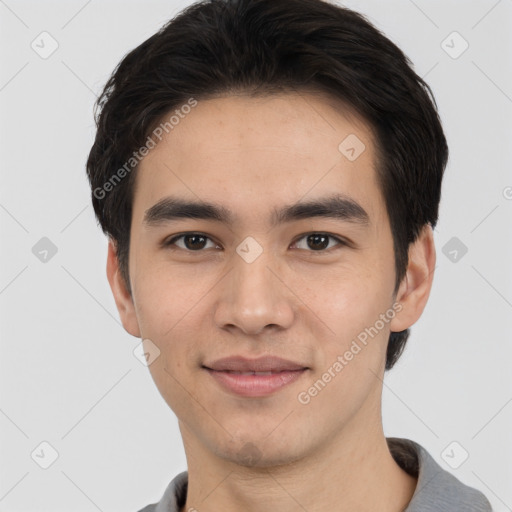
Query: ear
point(122, 296)
point(415, 287)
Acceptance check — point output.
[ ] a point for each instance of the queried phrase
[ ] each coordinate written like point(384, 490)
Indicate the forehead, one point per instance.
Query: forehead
point(252, 153)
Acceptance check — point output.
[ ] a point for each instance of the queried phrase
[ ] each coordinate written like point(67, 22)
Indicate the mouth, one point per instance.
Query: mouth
point(266, 365)
point(259, 377)
point(254, 384)
point(252, 373)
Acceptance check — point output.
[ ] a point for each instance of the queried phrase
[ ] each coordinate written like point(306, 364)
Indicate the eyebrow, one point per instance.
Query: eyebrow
point(339, 207)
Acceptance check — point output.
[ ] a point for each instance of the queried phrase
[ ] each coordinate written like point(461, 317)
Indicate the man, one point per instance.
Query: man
point(269, 174)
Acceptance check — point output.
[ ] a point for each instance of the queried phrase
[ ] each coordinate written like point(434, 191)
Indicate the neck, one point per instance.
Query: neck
point(353, 471)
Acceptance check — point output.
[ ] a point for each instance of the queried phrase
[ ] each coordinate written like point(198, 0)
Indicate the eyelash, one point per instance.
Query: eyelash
point(341, 242)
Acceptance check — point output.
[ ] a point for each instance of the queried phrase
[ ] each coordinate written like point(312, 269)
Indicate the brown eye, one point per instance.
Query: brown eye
point(318, 241)
point(193, 242)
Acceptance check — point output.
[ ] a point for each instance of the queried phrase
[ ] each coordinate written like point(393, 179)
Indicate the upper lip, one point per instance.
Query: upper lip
point(261, 364)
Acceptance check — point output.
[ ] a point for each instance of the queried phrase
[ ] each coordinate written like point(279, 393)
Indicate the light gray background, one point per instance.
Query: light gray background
point(67, 371)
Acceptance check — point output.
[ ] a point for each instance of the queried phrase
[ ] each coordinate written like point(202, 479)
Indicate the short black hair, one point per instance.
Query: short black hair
point(261, 47)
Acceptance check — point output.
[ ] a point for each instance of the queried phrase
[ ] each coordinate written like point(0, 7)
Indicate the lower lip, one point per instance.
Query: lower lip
point(255, 385)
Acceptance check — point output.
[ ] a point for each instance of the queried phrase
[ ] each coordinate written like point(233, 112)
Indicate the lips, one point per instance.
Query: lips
point(266, 365)
point(254, 378)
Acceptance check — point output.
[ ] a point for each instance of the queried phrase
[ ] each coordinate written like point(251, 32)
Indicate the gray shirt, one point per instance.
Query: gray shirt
point(437, 490)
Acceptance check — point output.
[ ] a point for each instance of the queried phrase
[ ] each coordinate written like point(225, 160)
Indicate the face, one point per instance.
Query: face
point(305, 285)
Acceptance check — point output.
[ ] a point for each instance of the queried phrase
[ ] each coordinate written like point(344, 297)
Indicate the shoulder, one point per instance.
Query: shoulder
point(174, 496)
point(437, 489)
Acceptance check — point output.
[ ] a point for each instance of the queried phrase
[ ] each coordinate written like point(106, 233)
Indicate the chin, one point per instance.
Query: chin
point(256, 452)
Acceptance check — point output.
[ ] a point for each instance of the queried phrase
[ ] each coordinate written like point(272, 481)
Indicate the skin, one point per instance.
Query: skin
point(251, 155)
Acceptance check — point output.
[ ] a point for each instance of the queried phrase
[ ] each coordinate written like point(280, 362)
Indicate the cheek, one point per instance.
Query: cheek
point(178, 337)
point(347, 296)
point(351, 305)
point(166, 297)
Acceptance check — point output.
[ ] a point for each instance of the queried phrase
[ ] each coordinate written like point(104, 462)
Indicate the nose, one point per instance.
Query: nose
point(254, 297)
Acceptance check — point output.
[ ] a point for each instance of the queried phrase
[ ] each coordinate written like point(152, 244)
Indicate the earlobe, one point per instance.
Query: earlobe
point(415, 287)
point(122, 296)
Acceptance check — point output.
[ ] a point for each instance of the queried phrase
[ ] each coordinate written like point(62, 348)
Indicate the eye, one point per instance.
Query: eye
point(319, 242)
point(192, 242)
point(195, 242)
